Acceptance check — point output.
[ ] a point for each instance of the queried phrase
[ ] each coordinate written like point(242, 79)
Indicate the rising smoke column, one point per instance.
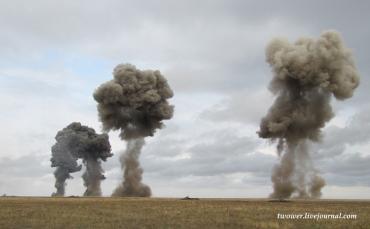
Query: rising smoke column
point(134, 102)
point(78, 141)
point(306, 75)
point(65, 162)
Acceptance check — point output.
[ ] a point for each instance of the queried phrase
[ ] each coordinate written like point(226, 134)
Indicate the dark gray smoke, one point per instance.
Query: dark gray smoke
point(306, 75)
point(65, 162)
point(74, 142)
point(134, 102)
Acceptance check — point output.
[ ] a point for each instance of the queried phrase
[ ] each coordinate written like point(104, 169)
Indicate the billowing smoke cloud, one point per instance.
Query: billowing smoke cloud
point(74, 142)
point(134, 102)
point(306, 75)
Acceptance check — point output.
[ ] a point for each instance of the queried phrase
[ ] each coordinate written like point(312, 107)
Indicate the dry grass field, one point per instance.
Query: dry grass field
point(33, 212)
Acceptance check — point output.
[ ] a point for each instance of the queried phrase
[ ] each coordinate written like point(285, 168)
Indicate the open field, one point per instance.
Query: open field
point(33, 212)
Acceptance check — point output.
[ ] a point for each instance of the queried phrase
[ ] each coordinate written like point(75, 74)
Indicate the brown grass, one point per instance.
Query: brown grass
point(17, 212)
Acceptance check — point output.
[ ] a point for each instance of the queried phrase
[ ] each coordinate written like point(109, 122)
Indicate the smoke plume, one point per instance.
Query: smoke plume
point(74, 142)
point(65, 162)
point(306, 75)
point(134, 102)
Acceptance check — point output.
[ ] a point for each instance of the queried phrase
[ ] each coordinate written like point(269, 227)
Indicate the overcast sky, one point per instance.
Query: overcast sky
point(53, 54)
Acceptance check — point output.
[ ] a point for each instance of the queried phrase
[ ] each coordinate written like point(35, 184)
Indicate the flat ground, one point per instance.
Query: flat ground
point(33, 212)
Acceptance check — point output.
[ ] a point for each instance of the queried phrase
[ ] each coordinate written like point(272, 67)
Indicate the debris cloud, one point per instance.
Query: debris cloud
point(135, 103)
point(80, 142)
point(307, 74)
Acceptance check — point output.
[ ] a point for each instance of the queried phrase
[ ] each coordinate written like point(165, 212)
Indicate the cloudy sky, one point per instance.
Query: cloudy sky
point(53, 54)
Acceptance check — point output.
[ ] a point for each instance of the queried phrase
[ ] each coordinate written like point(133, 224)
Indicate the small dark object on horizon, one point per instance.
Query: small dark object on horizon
point(189, 198)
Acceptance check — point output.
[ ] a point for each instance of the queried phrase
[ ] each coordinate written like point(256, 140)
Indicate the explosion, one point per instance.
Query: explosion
point(307, 74)
point(74, 142)
point(134, 102)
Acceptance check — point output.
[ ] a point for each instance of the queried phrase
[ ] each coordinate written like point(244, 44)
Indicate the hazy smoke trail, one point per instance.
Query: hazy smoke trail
point(306, 75)
point(132, 185)
point(92, 177)
point(78, 141)
point(134, 102)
